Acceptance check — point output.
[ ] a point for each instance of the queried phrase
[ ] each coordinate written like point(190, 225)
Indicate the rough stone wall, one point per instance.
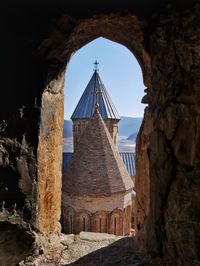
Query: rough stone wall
point(142, 179)
point(18, 177)
point(10, 250)
point(49, 158)
point(171, 231)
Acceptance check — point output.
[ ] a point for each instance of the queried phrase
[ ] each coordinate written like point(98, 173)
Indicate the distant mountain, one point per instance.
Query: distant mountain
point(129, 125)
point(67, 129)
point(67, 144)
point(128, 130)
point(133, 136)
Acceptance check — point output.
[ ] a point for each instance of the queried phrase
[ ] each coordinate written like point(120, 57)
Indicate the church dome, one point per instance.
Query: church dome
point(95, 92)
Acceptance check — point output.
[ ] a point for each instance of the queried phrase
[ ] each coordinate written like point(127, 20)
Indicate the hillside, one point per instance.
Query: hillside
point(132, 136)
point(67, 129)
point(129, 125)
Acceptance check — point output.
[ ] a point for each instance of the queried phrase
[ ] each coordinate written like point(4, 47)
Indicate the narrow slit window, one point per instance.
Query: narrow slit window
point(84, 225)
point(115, 226)
point(100, 225)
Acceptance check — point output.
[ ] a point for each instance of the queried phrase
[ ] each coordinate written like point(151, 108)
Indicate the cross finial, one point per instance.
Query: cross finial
point(96, 66)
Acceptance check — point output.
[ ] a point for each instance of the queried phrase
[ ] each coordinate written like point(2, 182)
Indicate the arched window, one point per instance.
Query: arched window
point(84, 224)
point(100, 225)
point(115, 225)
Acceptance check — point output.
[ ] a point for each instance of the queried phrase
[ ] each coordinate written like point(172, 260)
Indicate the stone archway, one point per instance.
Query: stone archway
point(57, 50)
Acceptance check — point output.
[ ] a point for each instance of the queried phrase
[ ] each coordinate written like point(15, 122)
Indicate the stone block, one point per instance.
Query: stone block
point(91, 236)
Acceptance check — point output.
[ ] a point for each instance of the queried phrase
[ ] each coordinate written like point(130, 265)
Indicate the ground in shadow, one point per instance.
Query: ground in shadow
point(122, 252)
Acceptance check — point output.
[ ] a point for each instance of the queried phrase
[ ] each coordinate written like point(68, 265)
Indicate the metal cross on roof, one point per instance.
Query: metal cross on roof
point(96, 66)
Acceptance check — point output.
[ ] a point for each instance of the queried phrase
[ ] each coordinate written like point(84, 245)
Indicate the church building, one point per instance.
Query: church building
point(97, 188)
point(95, 92)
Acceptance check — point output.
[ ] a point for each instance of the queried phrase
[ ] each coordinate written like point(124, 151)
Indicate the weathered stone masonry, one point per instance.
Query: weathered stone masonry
point(174, 154)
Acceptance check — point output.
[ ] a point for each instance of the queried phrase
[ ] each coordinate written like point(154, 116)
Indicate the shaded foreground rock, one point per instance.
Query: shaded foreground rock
point(11, 253)
point(121, 252)
point(73, 250)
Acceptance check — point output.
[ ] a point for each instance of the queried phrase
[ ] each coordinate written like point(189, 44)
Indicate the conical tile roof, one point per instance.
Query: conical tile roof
point(95, 92)
point(96, 166)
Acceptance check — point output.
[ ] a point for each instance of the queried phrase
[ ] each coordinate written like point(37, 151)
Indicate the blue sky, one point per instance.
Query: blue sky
point(119, 71)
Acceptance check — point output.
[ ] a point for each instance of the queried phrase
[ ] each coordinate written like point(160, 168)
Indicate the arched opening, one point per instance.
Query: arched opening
point(115, 225)
point(100, 225)
point(51, 121)
point(99, 222)
point(116, 222)
point(124, 93)
point(83, 224)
